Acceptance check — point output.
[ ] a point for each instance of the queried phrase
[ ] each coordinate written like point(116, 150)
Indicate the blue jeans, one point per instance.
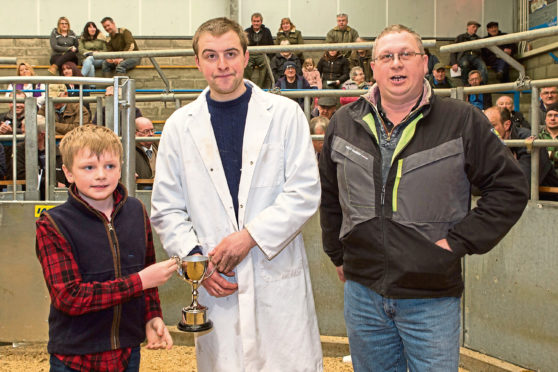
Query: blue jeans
point(122, 67)
point(388, 334)
point(88, 66)
point(56, 364)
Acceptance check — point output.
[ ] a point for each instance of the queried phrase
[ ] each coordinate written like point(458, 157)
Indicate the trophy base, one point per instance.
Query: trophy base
point(195, 327)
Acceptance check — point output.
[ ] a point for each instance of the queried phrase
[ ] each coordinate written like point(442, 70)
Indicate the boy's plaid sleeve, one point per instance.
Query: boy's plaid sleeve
point(67, 290)
point(152, 304)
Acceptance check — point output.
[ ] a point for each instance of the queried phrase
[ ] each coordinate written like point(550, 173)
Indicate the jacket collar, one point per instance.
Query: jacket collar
point(373, 95)
point(119, 195)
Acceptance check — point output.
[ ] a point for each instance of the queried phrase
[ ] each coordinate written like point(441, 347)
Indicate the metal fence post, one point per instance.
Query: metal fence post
point(535, 153)
point(128, 136)
point(50, 148)
point(32, 184)
point(307, 107)
point(109, 113)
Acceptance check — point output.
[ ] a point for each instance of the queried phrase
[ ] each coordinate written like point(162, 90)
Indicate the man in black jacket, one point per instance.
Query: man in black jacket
point(490, 59)
point(258, 34)
point(501, 120)
point(396, 170)
point(468, 59)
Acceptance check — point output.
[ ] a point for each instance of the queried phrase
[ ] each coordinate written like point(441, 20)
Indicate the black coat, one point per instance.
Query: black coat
point(334, 69)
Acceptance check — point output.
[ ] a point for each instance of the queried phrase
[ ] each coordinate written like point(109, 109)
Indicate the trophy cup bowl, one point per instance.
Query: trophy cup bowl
point(193, 269)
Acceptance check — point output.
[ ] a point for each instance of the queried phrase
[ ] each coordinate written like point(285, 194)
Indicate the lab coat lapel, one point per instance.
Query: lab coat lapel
point(258, 120)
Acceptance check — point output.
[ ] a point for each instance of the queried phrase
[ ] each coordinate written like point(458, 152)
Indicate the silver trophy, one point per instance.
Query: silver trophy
point(193, 269)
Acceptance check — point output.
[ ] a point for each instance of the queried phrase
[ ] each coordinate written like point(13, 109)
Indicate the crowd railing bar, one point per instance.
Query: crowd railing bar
point(295, 48)
point(499, 40)
point(492, 44)
point(8, 60)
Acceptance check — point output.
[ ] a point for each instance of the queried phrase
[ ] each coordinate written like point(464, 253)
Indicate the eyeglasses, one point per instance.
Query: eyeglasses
point(390, 57)
point(63, 23)
point(549, 93)
point(146, 132)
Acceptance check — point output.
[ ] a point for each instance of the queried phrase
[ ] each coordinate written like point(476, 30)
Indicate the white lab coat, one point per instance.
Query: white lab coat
point(270, 323)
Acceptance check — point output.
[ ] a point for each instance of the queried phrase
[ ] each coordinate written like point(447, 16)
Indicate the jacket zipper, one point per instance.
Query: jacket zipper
point(117, 308)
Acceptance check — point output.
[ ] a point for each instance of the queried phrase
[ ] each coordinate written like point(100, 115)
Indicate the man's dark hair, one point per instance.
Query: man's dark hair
point(107, 19)
point(552, 107)
point(505, 114)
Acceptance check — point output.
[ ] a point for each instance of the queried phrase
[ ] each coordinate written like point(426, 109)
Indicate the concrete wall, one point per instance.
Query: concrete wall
point(182, 17)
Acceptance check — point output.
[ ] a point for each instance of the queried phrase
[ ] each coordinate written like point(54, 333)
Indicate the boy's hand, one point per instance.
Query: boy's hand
point(157, 334)
point(157, 274)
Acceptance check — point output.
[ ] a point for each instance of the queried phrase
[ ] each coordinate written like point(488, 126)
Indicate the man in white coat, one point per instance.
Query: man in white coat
point(236, 180)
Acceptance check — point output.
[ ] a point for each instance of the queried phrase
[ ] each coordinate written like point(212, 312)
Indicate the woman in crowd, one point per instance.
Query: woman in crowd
point(64, 44)
point(91, 40)
point(70, 69)
point(25, 69)
point(288, 31)
point(357, 81)
point(334, 68)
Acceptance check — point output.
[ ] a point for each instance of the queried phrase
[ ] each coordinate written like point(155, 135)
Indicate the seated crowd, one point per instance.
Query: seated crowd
point(336, 69)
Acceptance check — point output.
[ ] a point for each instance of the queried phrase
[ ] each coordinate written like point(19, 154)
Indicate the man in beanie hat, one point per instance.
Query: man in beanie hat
point(292, 80)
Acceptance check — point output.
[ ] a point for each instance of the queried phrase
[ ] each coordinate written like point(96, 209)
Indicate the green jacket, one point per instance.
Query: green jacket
point(122, 41)
point(552, 151)
point(294, 36)
point(348, 35)
point(86, 46)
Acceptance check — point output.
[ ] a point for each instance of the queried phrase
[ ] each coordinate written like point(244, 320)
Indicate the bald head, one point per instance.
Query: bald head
point(499, 117)
point(144, 128)
point(505, 101)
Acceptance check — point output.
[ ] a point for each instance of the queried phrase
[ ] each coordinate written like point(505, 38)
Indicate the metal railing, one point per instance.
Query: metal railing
point(492, 44)
point(128, 100)
point(261, 49)
point(123, 84)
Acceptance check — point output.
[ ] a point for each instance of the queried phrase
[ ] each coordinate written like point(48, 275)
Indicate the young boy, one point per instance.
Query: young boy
point(97, 255)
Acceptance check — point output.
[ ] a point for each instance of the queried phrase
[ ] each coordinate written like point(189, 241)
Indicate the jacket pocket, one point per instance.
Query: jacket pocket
point(424, 265)
point(432, 186)
point(354, 173)
point(289, 263)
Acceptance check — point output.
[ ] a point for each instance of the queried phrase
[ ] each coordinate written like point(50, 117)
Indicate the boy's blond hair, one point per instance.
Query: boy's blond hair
point(95, 138)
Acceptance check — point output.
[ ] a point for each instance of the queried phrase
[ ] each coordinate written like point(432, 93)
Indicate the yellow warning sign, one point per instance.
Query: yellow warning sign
point(41, 208)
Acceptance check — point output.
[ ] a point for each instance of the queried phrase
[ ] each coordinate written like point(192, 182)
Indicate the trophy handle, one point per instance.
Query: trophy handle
point(179, 264)
point(206, 275)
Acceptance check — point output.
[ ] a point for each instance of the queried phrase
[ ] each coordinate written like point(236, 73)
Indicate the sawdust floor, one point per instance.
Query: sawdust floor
point(34, 357)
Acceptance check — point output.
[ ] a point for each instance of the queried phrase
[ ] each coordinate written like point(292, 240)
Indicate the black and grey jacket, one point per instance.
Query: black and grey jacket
point(384, 235)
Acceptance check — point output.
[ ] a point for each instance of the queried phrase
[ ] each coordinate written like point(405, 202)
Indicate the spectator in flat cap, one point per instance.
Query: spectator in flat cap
point(439, 80)
point(499, 65)
point(468, 59)
point(292, 80)
point(66, 114)
point(326, 107)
